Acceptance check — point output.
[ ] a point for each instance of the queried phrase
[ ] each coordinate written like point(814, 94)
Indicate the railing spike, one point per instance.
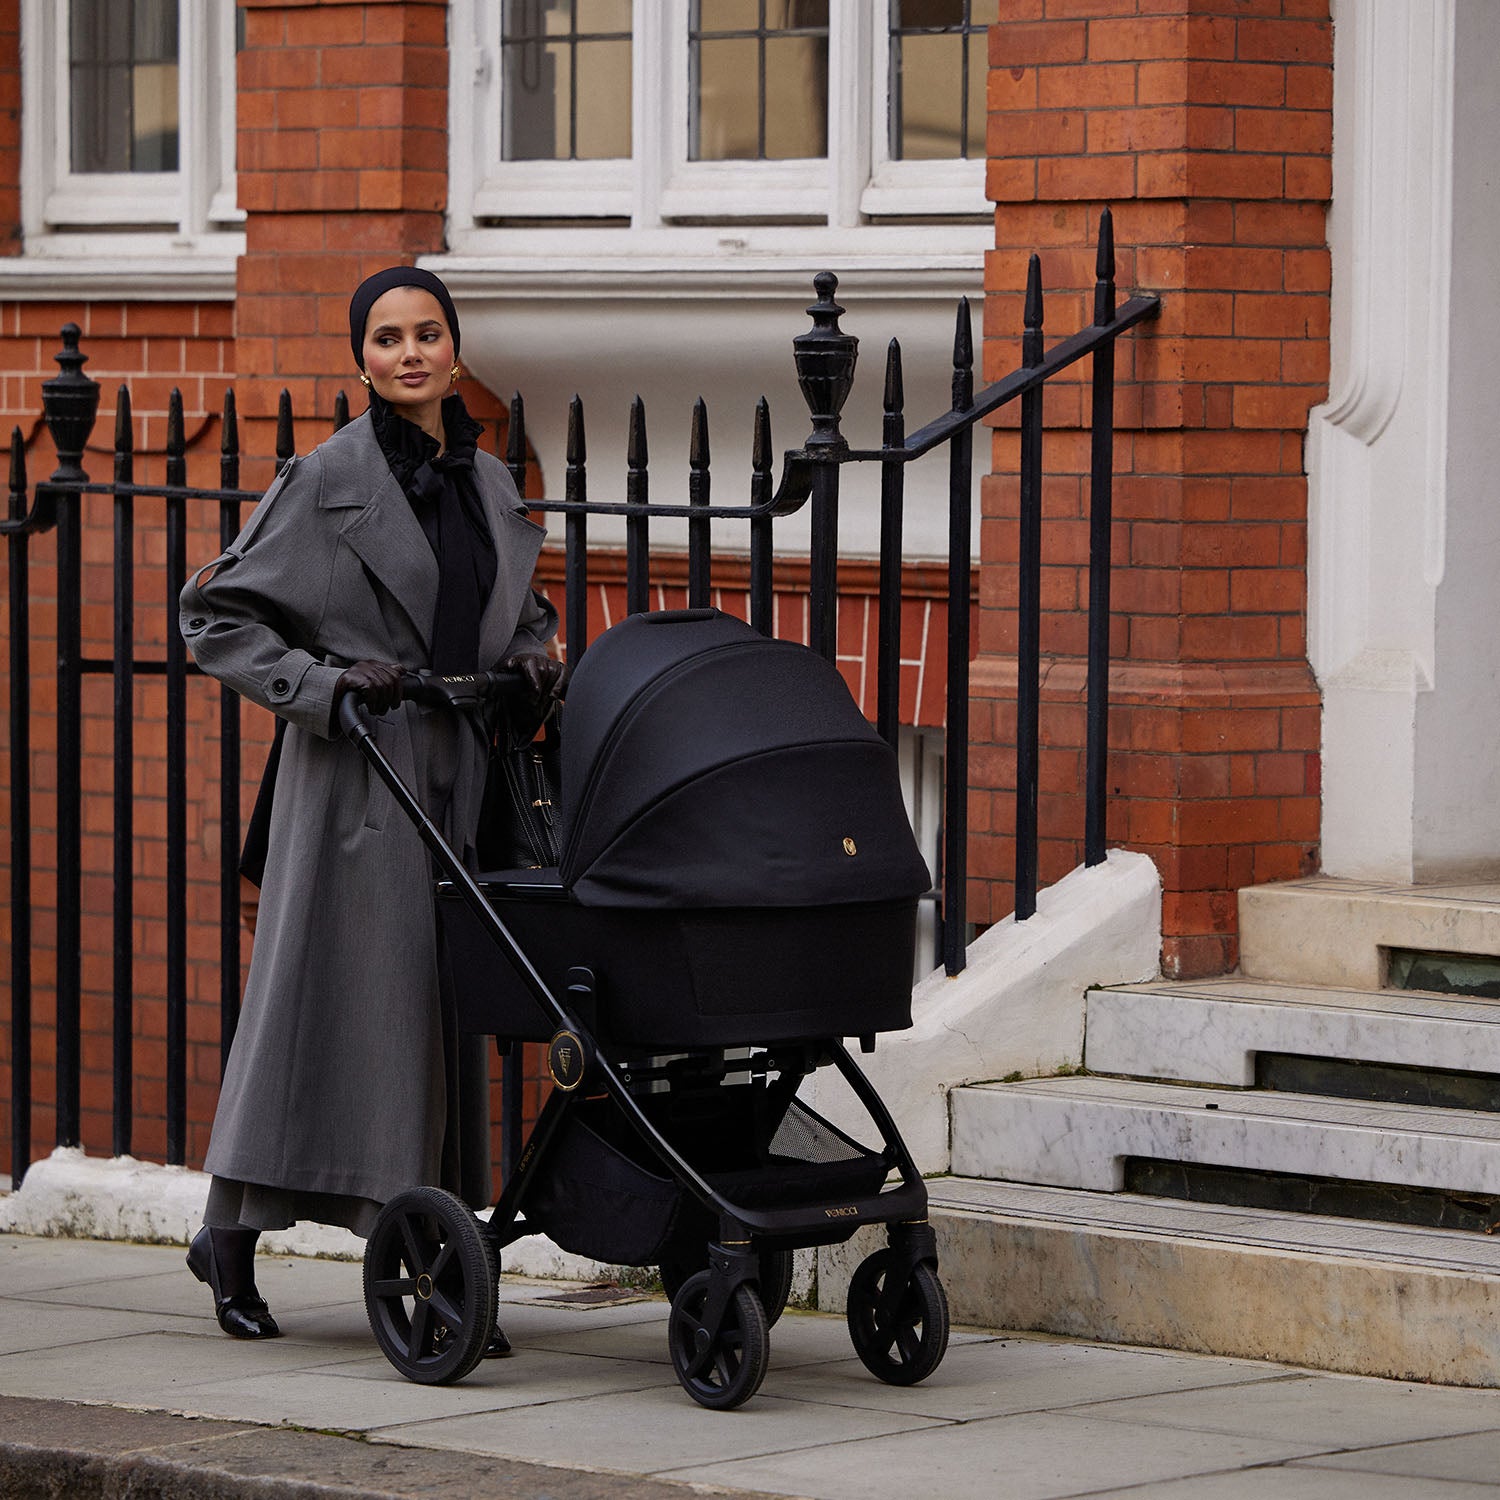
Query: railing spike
point(124, 440)
point(760, 446)
point(963, 358)
point(698, 437)
point(340, 410)
point(1031, 340)
point(229, 441)
point(176, 434)
point(286, 441)
point(895, 390)
point(515, 438)
point(1104, 271)
point(229, 447)
point(963, 337)
point(636, 450)
point(17, 474)
point(577, 444)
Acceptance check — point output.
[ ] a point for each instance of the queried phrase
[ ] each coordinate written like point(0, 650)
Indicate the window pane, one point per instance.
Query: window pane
point(796, 97)
point(938, 75)
point(603, 86)
point(565, 79)
point(930, 109)
point(122, 85)
point(759, 79)
point(604, 15)
point(728, 101)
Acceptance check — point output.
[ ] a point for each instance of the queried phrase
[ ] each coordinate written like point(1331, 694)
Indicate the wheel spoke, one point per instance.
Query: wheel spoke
point(399, 1286)
point(448, 1310)
point(418, 1338)
point(908, 1343)
point(414, 1257)
point(440, 1260)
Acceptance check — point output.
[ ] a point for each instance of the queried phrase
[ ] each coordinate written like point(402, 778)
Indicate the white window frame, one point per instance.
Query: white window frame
point(145, 214)
point(658, 188)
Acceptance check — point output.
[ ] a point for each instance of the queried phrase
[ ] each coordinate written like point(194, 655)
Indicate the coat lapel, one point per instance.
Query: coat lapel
point(388, 537)
point(518, 541)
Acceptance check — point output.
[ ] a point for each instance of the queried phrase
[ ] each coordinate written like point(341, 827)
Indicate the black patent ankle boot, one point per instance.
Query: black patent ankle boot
point(225, 1259)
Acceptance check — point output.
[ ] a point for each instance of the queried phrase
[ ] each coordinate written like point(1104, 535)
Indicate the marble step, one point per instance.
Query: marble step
point(1334, 1294)
point(1077, 1132)
point(1326, 930)
point(1209, 1031)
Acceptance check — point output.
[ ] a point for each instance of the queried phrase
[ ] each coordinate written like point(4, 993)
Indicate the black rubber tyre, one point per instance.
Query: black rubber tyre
point(911, 1345)
point(728, 1371)
point(430, 1286)
point(775, 1279)
point(775, 1283)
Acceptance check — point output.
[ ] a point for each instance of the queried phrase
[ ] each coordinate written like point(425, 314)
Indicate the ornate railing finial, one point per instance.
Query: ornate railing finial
point(825, 357)
point(70, 402)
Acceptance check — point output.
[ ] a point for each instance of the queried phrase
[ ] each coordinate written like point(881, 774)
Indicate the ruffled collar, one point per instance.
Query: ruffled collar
point(413, 454)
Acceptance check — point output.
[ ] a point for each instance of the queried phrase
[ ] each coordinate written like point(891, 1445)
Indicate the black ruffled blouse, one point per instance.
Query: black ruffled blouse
point(441, 490)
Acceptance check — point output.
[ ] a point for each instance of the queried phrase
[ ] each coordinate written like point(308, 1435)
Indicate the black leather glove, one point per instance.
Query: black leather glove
point(378, 682)
point(544, 676)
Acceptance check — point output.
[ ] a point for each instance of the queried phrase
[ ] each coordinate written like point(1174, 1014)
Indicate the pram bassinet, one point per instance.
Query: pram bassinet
point(737, 865)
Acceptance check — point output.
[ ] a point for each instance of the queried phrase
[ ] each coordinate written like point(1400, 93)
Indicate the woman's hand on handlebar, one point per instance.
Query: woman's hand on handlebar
point(376, 683)
point(543, 676)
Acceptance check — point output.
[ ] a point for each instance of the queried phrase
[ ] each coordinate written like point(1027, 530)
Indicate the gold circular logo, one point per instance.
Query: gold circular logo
point(849, 847)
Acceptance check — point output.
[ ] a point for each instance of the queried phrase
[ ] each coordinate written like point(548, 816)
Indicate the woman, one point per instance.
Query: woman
point(392, 546)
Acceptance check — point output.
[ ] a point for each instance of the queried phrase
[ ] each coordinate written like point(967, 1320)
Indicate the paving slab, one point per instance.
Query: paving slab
point(654, 1430)
point(1037, 1456)
point(1475, 1457)
point(1291, 1482)
point(1310, 1407)
point(98, 1454)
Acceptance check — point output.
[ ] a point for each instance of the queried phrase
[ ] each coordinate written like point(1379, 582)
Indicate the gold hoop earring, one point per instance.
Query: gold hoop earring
point(364, 380)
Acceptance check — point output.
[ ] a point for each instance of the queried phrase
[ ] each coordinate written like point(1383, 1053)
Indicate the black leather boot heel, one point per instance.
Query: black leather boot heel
point(243, 1313)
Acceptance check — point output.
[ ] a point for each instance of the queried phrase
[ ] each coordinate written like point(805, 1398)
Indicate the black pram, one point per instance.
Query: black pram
point(737, 891)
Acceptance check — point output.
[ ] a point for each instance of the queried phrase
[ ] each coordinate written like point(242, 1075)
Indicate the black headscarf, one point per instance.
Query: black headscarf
point(372, 288)
point(439, 486)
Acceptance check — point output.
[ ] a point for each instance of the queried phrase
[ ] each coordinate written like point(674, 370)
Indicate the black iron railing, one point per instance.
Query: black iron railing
point(825, 359)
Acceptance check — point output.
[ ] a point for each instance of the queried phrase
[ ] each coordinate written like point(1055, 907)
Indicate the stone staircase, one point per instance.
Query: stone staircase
point(1268, 1164)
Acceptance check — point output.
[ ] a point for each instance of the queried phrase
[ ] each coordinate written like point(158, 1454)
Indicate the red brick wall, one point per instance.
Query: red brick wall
point(1206, 124)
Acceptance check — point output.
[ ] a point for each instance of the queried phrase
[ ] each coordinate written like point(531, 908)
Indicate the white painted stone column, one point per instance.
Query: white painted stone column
point(1404, 570)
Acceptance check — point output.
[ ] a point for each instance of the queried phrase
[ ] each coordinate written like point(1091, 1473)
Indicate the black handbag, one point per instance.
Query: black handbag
point(517, 819)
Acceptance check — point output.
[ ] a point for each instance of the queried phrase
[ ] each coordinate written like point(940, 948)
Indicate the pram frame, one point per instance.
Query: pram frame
point(732, 1262)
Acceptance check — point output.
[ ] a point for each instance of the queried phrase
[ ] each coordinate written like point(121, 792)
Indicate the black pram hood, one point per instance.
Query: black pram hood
point(705, 765)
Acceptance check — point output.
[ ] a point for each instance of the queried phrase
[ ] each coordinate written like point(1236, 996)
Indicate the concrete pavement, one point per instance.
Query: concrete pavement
point(115, 1381)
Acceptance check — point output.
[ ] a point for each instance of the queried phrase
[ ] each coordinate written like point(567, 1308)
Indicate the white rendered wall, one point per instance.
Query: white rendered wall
point(1404, 610)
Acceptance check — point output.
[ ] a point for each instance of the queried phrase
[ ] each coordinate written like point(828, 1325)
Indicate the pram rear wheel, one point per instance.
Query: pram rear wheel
point(906, 1343)
point(724, 1372)
point(430, 1286)
point(775, 1279)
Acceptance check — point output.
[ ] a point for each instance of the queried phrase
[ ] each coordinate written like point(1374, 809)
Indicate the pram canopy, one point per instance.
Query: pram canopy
point(704, 765)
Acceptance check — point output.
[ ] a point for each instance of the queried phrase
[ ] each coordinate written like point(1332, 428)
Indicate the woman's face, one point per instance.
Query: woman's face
point(408, 352)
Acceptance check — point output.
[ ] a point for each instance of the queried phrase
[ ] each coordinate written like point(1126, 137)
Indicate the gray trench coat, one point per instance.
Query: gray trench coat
point(335, 1083)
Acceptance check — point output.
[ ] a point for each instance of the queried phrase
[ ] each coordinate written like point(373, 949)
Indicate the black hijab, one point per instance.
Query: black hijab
point(439, 487)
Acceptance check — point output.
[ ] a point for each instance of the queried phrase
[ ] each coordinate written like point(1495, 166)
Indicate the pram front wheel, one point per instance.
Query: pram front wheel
point(775, 1279)
point(904, 1342)
point(725, 1371)
point(430, 1286)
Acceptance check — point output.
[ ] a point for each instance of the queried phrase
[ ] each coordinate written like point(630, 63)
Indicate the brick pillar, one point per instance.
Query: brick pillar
point(1206, 125)
point(343, 168)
